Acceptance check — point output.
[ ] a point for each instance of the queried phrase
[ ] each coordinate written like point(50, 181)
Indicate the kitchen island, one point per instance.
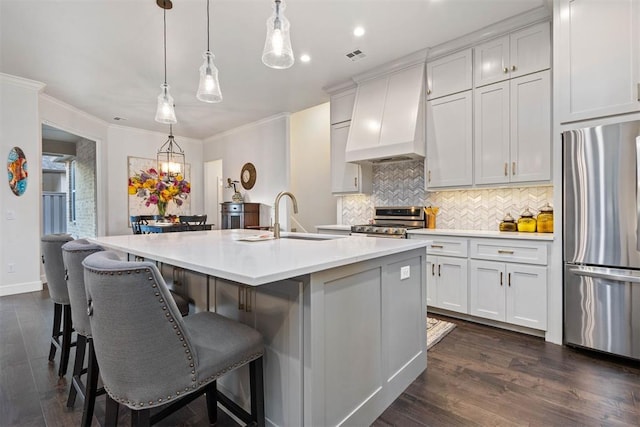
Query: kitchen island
point(343, 317)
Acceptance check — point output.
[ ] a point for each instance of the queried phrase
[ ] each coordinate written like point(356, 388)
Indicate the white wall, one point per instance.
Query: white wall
point(311, 167)
point(20, 242)
point(124, 142)
point(265, 144)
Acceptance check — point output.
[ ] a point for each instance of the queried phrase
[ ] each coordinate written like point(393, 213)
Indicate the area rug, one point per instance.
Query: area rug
point(436, 330)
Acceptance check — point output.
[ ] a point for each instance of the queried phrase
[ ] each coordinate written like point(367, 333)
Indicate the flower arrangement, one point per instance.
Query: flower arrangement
point(159, 189)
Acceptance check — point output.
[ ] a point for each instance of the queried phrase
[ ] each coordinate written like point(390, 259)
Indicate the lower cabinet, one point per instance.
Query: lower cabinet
point(447, 283)
point(512, 293)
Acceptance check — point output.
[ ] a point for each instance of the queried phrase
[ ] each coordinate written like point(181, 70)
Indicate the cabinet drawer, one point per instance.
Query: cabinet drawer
point(447, 246)
point(496, 250)
point(231, 207)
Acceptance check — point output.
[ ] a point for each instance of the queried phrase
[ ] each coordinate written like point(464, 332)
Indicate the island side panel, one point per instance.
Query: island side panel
point(365, 338)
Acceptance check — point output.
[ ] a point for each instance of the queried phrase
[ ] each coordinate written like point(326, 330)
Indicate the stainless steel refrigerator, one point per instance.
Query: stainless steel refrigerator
point(601, 193)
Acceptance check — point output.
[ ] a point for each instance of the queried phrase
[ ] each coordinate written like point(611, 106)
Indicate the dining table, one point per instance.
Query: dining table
point(172, 227)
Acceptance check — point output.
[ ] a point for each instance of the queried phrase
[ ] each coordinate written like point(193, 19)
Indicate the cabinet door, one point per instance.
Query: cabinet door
point(531, 128)
point(432, 280)
point(527, 296)
point(367, 113)
point(344, 175)
point(486, 289)
point(491, 134)
point(492, 61)
point(449, 141)
point(452, 284)
point(449, 75)
point(530, 50)
point(341, 106)
point(599, 58)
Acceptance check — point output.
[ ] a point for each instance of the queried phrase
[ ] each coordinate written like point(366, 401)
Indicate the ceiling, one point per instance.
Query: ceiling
point(105, 56)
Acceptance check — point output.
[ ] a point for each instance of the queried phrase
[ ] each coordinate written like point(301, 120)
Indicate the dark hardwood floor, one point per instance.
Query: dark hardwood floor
point(476, 375)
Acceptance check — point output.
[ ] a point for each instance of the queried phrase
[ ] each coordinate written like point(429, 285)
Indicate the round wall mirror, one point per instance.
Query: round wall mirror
point(248, 176)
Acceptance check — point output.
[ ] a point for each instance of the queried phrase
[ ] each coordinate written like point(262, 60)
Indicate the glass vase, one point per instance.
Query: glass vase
point(162, 209)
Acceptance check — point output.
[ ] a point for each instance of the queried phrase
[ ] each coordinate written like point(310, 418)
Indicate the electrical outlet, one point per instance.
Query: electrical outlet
point(11, 268)
point(405, 272)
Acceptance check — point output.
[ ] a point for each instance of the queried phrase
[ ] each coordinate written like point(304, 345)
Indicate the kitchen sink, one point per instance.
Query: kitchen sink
point(311, 237)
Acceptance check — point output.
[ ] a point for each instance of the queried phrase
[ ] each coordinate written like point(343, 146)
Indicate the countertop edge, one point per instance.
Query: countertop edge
point(483, 234)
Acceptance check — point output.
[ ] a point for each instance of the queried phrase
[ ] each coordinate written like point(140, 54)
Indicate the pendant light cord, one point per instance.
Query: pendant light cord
point(164, 12)
point(208, 50)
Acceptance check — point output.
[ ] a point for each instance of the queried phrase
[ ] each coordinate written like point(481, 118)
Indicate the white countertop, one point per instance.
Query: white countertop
point(482, 233)
point(219, 253)
point(338, 227)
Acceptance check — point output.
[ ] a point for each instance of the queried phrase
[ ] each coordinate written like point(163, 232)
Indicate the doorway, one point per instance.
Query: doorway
point(213, 191)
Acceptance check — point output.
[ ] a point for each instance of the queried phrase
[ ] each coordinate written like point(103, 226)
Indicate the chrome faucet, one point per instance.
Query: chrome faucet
point(276, 223)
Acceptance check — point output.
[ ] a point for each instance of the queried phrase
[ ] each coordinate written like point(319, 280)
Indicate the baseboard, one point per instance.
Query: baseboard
point(20, 288)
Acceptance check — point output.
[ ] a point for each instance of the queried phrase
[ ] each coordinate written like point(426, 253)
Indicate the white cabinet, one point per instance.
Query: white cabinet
point(519, 53)
point(512, 130)
point(447, 283)
point(275, 311)
point(598, 58)
point(449, 141)
point(449, 75)
point(341, 106)
point(512, 293)
point(508, 282)
point(387, 117)
point(347, 177)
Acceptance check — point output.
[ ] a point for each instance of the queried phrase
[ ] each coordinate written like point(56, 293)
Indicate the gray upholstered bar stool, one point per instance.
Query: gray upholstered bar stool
point(150, 356)
point(73, 253)
point(51, 251)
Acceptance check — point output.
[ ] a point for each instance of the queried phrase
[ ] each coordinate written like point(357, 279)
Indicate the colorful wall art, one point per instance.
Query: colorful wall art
point(17, 171)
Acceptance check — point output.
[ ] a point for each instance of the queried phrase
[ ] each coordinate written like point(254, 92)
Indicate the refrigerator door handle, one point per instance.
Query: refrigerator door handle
point(638, 193)
point(605, 273)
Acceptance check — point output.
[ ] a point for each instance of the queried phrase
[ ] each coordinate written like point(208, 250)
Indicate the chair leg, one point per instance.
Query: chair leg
point(141, 418)
point(91, 387)
point(67, 328)
point(111, 412)
point(57, 317)
point(257, 391)
point(211, 392)
point(76, 380)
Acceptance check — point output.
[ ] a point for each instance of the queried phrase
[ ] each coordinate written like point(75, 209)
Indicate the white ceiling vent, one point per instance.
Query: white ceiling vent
point(355, 55)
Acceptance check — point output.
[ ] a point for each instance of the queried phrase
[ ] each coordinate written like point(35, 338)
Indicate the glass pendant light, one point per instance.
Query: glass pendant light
point(209, 87)
point(170, 158)
point(277, 51)
point(165, 112)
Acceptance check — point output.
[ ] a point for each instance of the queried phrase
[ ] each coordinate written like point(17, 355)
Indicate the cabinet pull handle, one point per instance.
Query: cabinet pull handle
point(437, 246)
point(439, 266)
point(638, 91)
point(504, 251)
point(240, 300)
point(501, 278)
point(428, 91)
point(506, 70)
point(433, 269)
point(506, 168)
point(509, 279)
point(429, 175)
point(513, 168)
point(513, 68)
point(355, 182)
point(247, 300)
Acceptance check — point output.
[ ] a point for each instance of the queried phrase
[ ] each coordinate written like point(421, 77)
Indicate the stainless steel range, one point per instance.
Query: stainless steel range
point(393, 221)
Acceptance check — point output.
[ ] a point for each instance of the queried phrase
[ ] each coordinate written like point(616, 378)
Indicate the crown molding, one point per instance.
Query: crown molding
point(248, 126)
point(22, 82)
point(395, 65)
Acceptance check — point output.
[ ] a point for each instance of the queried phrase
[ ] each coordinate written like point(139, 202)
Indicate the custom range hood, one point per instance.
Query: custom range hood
point(388, 117)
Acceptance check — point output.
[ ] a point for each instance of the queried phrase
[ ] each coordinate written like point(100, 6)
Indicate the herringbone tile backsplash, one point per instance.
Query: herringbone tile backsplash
point(402, 184)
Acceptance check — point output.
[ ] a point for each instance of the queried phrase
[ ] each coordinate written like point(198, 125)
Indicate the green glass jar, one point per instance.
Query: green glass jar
point(526, 222)
point(508, 223)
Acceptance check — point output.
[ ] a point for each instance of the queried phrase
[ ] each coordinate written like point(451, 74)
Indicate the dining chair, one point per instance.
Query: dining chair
point(73, 253)
point(51, 253)
point(138, 220)
point(152, 357)
point(193, 221)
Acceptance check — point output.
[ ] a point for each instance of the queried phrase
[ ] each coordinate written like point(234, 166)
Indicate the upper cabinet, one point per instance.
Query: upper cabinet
point(450, 74)
point(598, 58)
point(341, 106)
point(519, 53)
point(388, 117)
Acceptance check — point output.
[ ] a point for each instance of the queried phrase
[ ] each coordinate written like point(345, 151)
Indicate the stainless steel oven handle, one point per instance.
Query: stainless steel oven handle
point(604, 273)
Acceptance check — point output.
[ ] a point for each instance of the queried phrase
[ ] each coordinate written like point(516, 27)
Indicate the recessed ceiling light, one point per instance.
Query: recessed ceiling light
point(358, 31)
point(305, 58)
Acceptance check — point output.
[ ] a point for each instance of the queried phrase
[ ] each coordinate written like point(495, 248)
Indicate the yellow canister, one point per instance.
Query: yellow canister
point(526, 222)
point(545, 219)
point(508, 223)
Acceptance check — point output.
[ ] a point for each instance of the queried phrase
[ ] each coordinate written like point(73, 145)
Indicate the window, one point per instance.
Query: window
point(72, 191)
